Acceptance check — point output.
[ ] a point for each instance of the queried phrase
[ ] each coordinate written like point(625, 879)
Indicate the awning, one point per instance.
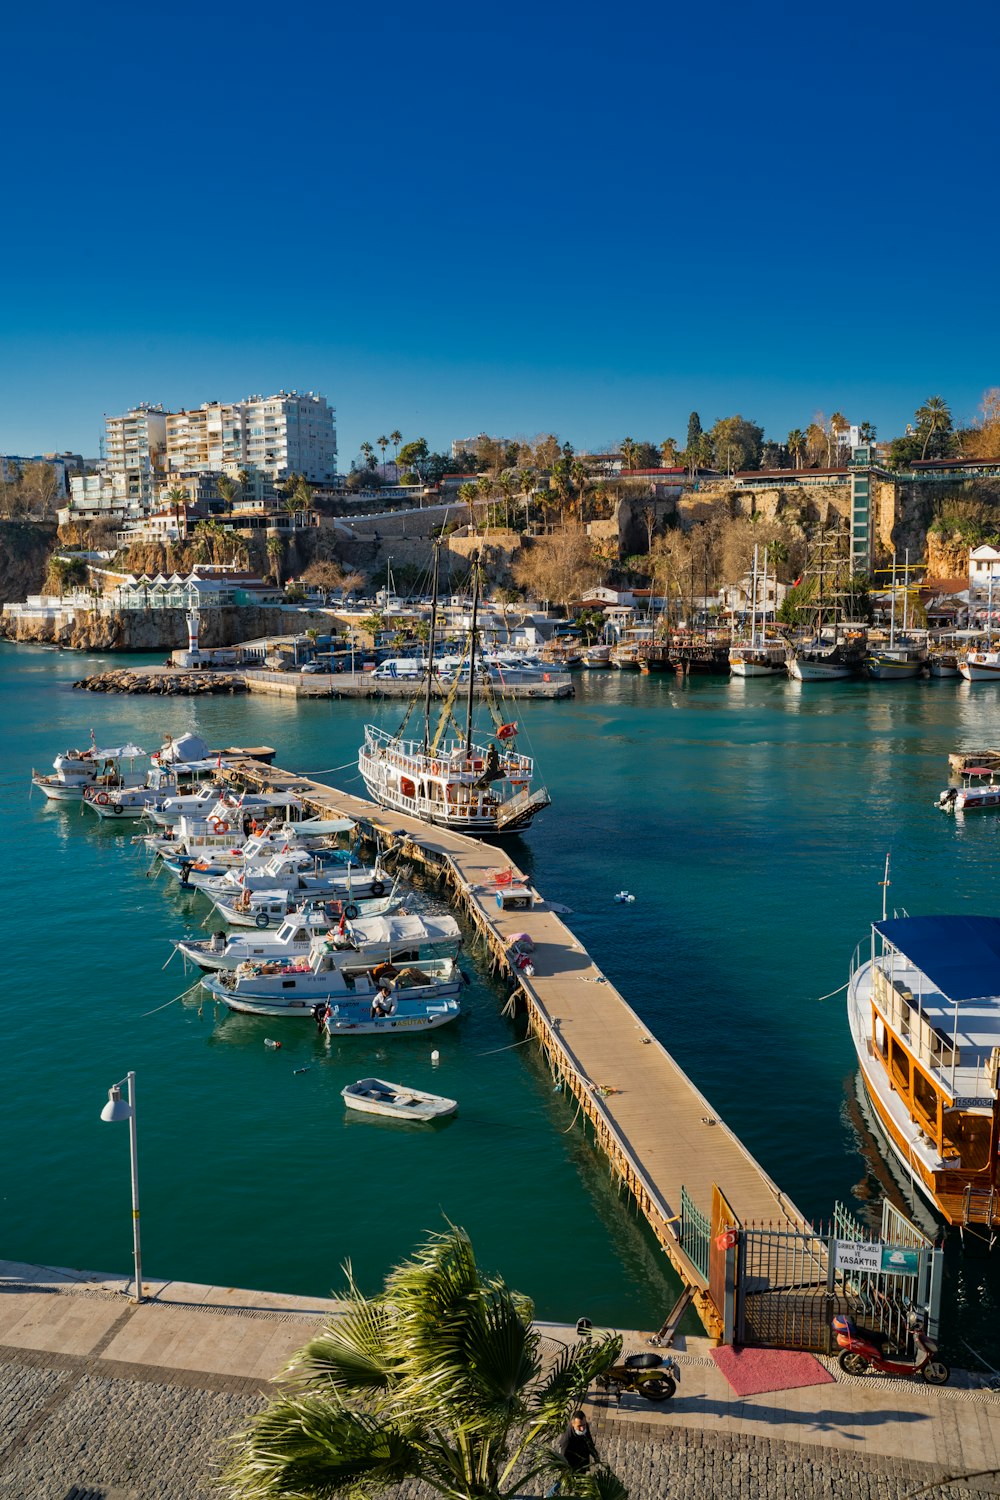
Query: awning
point(959, 955)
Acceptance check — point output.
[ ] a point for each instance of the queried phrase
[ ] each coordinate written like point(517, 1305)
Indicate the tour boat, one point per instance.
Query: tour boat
point(597, 657)
point(453, 781)
point(252, 858)
point(826, 659)
point(923, 1002)
point(758, 657)
point(363, 941)
point(976, 794)
point(980, 666)
point(374, 1096)
point(275, 989)
point(904, 655)
point(942, 661)
point(162, 781)
point(76, 771)
point(286, 872)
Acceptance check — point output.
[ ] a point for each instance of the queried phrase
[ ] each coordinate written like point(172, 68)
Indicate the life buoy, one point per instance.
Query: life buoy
point(351, 911)
point(220, 826)
point(116, 807)
point(102, 798)
point(262, 920)
point(377, 888)
point(435, 768)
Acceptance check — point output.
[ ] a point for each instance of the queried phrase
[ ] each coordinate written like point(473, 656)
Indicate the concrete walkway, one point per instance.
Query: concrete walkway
point(101, 1399)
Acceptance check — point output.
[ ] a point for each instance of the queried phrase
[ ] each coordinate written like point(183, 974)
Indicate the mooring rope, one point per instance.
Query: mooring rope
point(836, 991)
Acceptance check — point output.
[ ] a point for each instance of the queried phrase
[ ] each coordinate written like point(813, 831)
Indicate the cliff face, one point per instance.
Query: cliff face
point(157, 629)
point(25, 548)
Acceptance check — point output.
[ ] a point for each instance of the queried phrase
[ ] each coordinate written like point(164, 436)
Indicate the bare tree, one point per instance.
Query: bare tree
point(558, 567)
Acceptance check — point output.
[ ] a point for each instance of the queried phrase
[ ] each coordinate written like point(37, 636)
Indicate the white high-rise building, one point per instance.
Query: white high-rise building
point(136, 445)
point(275, 435)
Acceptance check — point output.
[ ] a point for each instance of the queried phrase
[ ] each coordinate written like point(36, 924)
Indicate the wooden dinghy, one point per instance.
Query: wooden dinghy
point(374, 1096)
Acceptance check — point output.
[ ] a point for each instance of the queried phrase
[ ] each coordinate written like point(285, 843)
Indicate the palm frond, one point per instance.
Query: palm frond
point(566, 1383)
point(353, 1353)
point(597, 1484)
point(308, 1449)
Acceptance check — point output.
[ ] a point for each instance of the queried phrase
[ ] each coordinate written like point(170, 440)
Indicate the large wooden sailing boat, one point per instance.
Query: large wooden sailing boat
point(758, 657)
point(834, 652)
point(447, 777)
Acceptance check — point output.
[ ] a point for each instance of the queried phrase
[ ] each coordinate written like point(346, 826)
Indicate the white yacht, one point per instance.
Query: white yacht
point(77, 771)
point(400, 938)
point(274, 989)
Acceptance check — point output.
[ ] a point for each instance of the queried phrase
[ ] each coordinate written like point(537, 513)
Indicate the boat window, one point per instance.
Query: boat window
point(284, 931)
point(301, 936)
point(925, 1102)
point(899, 1065)
point(288, 984)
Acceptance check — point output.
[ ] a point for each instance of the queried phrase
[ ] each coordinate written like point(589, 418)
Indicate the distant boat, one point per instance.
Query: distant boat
point(374, 1096)
point(976, 794)
point(905, 654)
point(758, 657)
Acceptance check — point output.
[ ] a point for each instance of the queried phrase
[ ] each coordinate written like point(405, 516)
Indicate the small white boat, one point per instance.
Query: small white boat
point(287, 872)
point(270, 908)
point(76, 771)
point(374, 1096)
point(422, 997)
point(979, 792)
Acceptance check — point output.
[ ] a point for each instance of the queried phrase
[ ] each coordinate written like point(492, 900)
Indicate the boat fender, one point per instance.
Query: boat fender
point(377, 888)
point(269, 1043)
point(351, 911)
point(262, 920)
point(102, 798)
point(116, 807)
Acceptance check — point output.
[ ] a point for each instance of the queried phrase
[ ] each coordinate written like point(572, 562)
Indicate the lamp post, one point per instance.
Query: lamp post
point(118, 1108)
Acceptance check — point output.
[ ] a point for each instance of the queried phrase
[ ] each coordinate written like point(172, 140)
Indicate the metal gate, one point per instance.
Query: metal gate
point(790, 1283)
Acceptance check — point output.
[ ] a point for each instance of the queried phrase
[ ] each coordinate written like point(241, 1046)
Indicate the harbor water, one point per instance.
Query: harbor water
point(750, 819)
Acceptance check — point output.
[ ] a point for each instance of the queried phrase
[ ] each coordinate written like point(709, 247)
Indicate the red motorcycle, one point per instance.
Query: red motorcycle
point(863, 1350)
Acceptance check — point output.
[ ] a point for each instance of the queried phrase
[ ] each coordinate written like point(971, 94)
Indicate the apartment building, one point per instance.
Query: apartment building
point(135, 447)
point(273, 436)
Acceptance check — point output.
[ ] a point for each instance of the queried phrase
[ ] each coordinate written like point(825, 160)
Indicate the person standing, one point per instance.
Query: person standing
point(576, 1446)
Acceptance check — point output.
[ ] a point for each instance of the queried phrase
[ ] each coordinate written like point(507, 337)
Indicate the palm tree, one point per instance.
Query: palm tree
point(507, 483)
point(438, 1378)
point(935, 416)
point(527, 477)
point(628, 453)
point(298, 498)
point(275, 550)
point(796, 445)
point(383, 443)
point(227, 490)
point(578, 474)
point(838, 424)
point(395, 438)
point(469, 494)
point(368, 454)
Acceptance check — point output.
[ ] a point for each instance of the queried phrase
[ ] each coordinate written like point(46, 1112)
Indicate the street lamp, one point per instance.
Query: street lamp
point(118, 1108)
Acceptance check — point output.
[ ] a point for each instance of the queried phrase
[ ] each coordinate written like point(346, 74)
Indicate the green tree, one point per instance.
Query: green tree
point(578, 475)
point(438, 1378)
point(866, 432)
point(628, 452)
point(468, 493)
point(412, 455)
point(736, 444)
point(368, 454)
point(298, 499)
point(933, 417)
point(395, 438)
point(382, 443)
point(227, 490)
point(694, 430)
point(797, 445)
point(670, 454)
point(275, 549)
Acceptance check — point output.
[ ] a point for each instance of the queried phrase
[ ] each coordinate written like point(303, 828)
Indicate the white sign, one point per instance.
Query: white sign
point(858, 1255)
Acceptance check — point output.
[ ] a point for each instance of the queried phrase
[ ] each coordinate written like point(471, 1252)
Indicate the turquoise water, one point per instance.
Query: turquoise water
point(751, 819)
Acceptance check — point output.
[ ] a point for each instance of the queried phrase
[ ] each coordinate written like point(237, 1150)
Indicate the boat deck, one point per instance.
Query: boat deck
point(659, 1130)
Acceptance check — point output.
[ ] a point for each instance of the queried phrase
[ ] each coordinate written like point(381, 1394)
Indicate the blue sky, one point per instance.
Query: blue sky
point(452, 218)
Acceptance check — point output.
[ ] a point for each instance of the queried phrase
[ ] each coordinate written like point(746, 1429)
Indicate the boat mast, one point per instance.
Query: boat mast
point(906, 588)
point(892, 607)
point(430, 647)
point(753, 606)
point(472, 654)
point(885, 883)
point(763, 606)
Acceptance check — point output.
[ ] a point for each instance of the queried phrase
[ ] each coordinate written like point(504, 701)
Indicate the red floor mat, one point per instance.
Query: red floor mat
point(751, 1371)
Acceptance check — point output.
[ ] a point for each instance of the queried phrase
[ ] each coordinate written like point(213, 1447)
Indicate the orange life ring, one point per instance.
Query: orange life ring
point(102, 798)
point(220, 826)
point(435, 768)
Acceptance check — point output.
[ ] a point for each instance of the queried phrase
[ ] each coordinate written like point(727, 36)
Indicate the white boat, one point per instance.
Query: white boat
point(162, 781)
point(287, 872)
point(374, 1096)
point(758, 657)
point(270, 908)
point(923, 1002)
point(74, 771)
point(253, 859)
point(979, 792)
point(453, 781)
point(980, 666)
point(401, 938)
point(353, 999)
point(597, 657)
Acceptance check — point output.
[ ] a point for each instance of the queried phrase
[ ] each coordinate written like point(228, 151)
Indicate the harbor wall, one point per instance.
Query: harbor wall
point(153, 629)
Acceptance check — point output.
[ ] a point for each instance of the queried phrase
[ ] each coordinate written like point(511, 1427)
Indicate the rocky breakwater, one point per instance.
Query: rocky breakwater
point(164, 682)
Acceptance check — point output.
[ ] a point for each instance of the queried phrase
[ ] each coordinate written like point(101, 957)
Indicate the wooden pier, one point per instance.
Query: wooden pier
point(658, 1131)
point(366, 685)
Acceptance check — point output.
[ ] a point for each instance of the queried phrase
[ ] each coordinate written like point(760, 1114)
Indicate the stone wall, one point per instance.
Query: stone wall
point(157, 629)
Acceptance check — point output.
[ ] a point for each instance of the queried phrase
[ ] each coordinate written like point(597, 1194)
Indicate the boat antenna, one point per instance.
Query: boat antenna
point(472, 654)
point(885, 883)
point(431, 645)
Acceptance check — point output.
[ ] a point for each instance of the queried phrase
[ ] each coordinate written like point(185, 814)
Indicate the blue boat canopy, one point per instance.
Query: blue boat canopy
point(959, 955)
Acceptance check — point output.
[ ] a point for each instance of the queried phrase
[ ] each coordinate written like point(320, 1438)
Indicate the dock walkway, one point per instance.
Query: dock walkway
point(103, 1399)
point(658, 1130)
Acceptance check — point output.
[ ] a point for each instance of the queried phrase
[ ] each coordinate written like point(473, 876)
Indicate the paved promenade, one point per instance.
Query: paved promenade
point(104, 1400)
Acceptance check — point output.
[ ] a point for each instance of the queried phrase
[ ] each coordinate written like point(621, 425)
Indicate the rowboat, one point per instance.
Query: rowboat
point(374, 1096)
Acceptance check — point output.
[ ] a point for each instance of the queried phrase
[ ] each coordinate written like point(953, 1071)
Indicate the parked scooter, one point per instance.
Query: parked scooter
point(863, 1350)
point(652, 1376)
